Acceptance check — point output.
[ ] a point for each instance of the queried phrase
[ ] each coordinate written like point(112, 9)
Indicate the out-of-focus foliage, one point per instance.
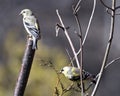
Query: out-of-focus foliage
point(42, 79)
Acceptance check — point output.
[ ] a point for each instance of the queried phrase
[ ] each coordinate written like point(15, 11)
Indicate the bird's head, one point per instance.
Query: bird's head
point(26, 12)
point(72, 73)
point(65, 70)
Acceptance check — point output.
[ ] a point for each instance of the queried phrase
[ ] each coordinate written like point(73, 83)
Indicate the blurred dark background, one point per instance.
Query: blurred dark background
point(13, 39)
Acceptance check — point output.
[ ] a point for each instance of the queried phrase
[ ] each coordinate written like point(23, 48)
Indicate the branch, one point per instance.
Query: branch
point(106, 5)
point(117, 7)
point(69, 40)
point(107, 48)
point(107, 65)
point(88, 27)
point(77, 7)
point(25, 69)
point(75, 12)
point(71, 61)
point(116, 59)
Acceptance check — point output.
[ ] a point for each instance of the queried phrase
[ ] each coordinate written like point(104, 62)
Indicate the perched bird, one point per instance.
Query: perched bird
point(31, 25)
point(73, 74)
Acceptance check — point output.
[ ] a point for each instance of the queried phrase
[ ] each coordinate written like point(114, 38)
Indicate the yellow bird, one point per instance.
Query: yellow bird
point(73, 74)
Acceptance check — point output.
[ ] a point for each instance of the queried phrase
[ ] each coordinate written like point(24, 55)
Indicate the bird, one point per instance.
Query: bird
point(73, 74)
point(31, 25)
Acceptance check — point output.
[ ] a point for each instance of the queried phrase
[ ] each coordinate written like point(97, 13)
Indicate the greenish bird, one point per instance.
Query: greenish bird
point(73, 74)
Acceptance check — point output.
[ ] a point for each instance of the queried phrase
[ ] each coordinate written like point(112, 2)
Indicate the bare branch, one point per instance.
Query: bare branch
point(107, 65)
point(88, 27)
point(117, 7)
point(71, 61)
point(77, 7)
point(91, 83)
point(111, 62)
point(107, 48)
point(117, 14)
point(105, 5)
point(66, 89)
point(75, 12)
point(69, 40)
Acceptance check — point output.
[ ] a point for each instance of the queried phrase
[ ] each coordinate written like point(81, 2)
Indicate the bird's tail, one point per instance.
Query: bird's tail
point(34, 46)
point(89, 76)
point(93, 79)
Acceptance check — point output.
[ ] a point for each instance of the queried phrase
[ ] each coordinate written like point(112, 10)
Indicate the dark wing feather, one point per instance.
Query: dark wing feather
point(33, 30)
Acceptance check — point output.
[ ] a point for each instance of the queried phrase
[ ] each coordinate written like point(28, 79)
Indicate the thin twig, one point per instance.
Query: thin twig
point(88, 27)
point(77, 7)
point(87, 30)
point(117, 14)
point(107, 65)
point(75, 12)
point(69, 40)
point(71, 61)
point(67, 89)
point(111, 62)
point(117, 7)
point(107, 48)
point(105, 5)
point(25, 69)
point(91, 83)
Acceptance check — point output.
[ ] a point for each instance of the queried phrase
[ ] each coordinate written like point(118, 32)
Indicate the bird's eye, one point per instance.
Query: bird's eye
point(23, 11)
point(62, 70)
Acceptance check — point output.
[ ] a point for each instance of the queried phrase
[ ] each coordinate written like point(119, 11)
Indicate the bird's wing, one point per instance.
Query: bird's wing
point(76, 72)
point(37, 25)
point(31, 26)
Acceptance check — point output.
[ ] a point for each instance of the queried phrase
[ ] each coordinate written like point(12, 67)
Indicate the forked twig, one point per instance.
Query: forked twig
point(69, 39)
point(88, 27)
point(66, 89)
point(107, 48)
point(75, 12)
point(77, 7)
point(105, 5)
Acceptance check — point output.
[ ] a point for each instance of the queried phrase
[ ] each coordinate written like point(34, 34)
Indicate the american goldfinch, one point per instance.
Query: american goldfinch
point(31, 25)
point(73, 74)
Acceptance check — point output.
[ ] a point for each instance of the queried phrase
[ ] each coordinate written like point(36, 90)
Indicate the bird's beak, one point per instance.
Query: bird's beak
point(20, 13)
point(60, 72)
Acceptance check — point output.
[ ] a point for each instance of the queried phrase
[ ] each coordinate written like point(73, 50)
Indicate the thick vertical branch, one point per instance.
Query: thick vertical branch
point(107, 48)
point(25, 69)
